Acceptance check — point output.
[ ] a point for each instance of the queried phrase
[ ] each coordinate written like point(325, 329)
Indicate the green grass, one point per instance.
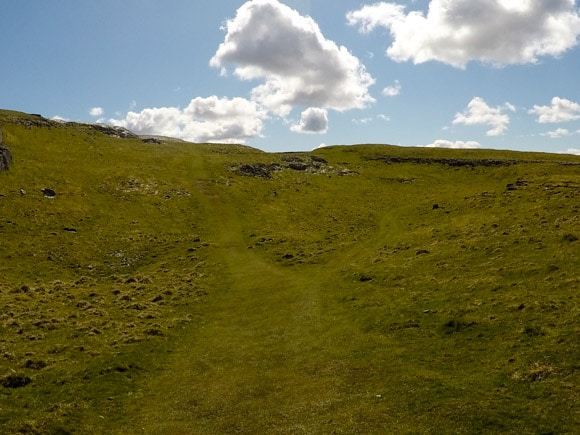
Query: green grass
point(192, 299)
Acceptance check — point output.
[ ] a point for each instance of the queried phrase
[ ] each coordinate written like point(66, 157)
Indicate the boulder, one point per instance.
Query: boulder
point(5, 158)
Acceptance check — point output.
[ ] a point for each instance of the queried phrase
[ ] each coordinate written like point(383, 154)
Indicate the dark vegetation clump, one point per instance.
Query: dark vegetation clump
point(15, 381)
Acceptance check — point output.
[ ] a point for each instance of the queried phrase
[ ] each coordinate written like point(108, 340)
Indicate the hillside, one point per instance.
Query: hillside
point(195, 288)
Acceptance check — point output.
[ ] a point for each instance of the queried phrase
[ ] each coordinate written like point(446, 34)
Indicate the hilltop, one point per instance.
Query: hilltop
point(170, 287)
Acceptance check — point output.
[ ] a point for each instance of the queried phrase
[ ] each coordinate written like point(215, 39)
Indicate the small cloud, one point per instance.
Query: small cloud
point(561, 110)
point(322, 145)
point(440, 143)
point(560, 132)
point(96, 111)
point(362, 121)
point(313, 121)
point(574, 151)
point(479, 113)
point(368, 120)
point(59, 119)
point(392, 91)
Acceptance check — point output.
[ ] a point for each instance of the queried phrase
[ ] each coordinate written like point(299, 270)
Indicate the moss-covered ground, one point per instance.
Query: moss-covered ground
point(180, 288)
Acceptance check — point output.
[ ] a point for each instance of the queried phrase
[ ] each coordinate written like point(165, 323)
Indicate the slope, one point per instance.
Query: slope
point(179, 288)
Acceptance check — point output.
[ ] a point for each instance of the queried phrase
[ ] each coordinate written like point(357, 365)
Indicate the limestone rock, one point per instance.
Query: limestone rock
point(5, 158)
point(5, 155)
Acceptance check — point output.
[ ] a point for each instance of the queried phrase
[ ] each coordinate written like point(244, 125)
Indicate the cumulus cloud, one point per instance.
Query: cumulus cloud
point(313, 120)
point(440, 143)
point(499, 32)
point(479, 113)
point(204, 120)
point(392, 91)
point(96, 111)
point(271, 42)
point(561, 110)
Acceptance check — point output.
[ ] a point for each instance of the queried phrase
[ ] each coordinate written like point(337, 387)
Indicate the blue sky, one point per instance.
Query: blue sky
point(297, 74)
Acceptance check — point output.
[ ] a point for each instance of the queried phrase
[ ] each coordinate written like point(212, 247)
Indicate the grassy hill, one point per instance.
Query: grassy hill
point(173, 288)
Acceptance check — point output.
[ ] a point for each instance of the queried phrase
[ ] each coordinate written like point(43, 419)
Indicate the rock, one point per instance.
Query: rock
point(49, 193)
point(151, 140)
point(113, 131)
point(292, 159)
point(5, 155)
point(260, 170)
point(5, 158)
point(298, 166)
point(319, 160)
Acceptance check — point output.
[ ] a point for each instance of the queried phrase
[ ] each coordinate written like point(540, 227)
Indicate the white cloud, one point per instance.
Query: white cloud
point(392, 91)
point(271, 42)
point(561, 110)
point(96, 111)
point(573, 151)
point(368, 120)
point(440, 143)
point(558, 133)
point(479, 113)
point(313, 120)
point(362, 121)
point(499, 32)
point(204, 120)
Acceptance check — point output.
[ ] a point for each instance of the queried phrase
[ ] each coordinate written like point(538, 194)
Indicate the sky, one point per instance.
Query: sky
point(295, 75)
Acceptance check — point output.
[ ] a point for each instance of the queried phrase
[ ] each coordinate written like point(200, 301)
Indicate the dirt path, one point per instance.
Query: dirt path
point(258, 363)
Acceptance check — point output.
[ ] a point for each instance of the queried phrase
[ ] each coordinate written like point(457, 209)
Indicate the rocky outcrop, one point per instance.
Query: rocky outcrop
point(5, 155)
point(448, 162)
point(37, 121)
point(306, 163)
point(114, 131)
point(5, 158)
point(259, 170)
point(471, 163)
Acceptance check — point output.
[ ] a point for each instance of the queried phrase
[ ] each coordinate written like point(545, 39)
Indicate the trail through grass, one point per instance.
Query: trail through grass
point(257, 345)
